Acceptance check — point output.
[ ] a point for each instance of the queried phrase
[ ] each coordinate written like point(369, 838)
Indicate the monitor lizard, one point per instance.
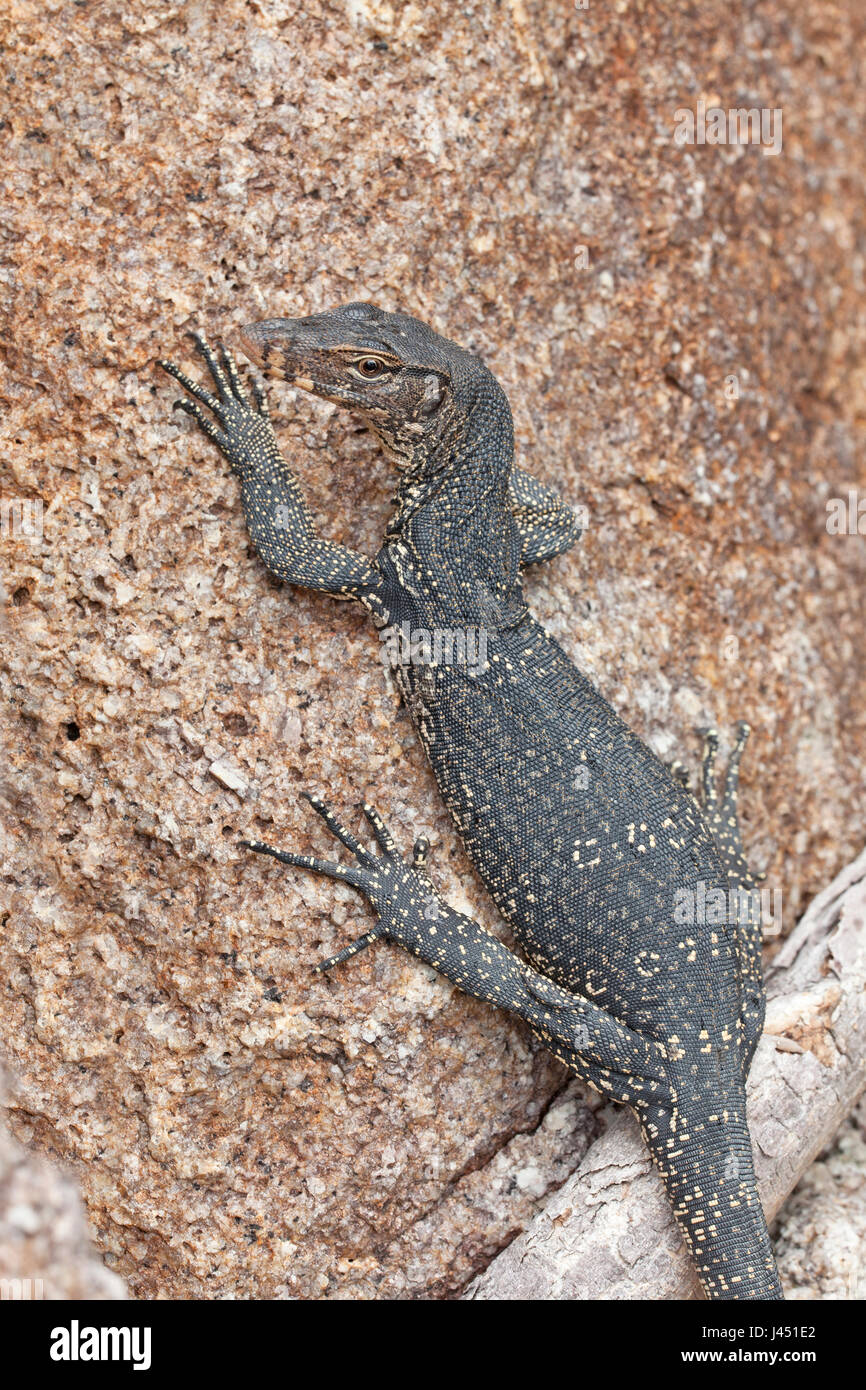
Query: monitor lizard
point(587, 842)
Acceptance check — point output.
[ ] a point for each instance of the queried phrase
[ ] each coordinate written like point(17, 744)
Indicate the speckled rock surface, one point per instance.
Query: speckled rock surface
point(821, 1235)
point(237, 1126)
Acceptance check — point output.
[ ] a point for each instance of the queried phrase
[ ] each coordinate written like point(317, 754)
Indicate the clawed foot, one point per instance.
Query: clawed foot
point(241, 429)
point(721, 811)
point(401, 893)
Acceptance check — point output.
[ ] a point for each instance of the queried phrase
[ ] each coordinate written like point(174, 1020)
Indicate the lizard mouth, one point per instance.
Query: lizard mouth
point(270, 348)
point(250, 346)
point(260, 346)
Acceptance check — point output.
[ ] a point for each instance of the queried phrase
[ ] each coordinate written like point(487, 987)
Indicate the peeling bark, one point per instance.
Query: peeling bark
point(609, 1232)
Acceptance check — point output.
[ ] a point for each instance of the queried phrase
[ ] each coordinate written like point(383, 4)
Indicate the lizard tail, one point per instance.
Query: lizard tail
point(710, 1179)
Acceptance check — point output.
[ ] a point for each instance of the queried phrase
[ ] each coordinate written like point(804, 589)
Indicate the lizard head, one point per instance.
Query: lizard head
point(390, 368)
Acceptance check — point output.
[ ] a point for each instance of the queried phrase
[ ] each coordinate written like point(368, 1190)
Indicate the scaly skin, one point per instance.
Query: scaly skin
point(587, 843)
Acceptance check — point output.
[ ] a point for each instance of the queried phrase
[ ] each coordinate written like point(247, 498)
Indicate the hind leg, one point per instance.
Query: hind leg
point(723, 820)
point(619, 1062)
point(721, 810)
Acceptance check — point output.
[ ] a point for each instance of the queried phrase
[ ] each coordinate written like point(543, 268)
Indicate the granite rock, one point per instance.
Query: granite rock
point(681, 334)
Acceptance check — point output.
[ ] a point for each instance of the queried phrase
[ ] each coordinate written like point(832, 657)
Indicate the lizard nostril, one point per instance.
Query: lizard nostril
point(251, 343)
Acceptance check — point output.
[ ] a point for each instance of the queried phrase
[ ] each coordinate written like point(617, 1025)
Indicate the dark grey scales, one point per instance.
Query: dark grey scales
point(582, 836)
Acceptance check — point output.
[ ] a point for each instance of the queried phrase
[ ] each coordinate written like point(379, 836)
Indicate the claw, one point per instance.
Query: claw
point(196, 391)
point(204, 421)
point(348, 951)
point(680, 773)
point(347, 873)
point(231, 371)
point(338, 829)
point(261, 400)
point(711, 745)
point(380, 829)
point(732, 776)
point(214, 367)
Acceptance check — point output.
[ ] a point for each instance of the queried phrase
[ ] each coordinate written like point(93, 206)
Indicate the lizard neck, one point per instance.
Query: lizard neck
point(454, 490)
point(453, 538)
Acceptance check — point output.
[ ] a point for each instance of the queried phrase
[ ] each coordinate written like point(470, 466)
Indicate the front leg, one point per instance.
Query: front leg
point(279, 520)
point(617, 1061)
point(546, 524)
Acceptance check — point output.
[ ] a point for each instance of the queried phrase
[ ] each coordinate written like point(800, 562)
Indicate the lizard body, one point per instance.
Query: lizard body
point(585, 840)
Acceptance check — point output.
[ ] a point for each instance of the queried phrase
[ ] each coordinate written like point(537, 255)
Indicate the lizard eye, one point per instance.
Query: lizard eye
point(369, 367)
